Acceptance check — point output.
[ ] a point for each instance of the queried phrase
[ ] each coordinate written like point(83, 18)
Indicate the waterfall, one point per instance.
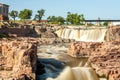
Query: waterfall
point(67, 33)
point(77, 73)
point(87, 35)
point(59, 32)
point(92, 35)
point(75, 34)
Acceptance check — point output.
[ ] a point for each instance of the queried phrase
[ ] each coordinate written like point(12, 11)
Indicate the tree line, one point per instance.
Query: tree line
point(72, 18)
point(26, 14)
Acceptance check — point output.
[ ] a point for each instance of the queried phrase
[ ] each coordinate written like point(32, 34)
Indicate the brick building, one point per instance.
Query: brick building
point(4, 12)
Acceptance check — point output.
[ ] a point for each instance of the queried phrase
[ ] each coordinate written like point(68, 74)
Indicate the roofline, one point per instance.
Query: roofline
point(4, 4)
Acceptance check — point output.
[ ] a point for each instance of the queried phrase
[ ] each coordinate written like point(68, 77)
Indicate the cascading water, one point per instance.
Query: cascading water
point(66, 33)
point(92, 35)
point(55, 59)
point(87, 35)
point(77, 73)
point(79, 68)
point(59, 32)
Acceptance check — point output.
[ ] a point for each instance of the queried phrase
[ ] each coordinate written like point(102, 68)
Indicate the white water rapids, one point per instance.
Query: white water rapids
point(87, 35)
point(60, 66)
point(77, 73)
point(55, 57)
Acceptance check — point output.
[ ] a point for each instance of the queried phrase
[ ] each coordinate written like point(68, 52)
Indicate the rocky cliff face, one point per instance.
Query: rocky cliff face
point(113, 33)
point(106, 60)
point(104, 57)
point(18, 59)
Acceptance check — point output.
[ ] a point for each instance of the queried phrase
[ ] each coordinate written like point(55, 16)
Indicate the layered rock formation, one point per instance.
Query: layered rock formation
point(104, 57)
point(18, 59)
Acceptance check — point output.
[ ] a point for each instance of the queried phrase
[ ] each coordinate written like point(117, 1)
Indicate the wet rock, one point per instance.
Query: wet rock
point(40, 68)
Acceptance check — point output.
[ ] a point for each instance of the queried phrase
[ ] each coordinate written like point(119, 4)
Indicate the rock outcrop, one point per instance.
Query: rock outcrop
point(18, 59)
point(106, 60)
point(103, 56)
point(82, 49)
point(49, 41)
point(114, 33)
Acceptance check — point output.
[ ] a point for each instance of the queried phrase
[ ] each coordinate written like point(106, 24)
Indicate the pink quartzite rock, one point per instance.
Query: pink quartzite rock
point(104, 56)
point(114, 33)
point(18, 59)
point(82, 49)
point(106, 60)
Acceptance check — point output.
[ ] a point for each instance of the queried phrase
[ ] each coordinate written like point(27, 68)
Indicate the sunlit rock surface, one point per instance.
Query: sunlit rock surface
point(18, 59)
point(106, 60)
point(103, 56)
point(114, 33)
point(82, 49)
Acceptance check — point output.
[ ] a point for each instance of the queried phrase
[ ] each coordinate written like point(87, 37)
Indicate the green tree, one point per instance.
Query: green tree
point(56, 20)
point(60, 20)
point(51, 19)
point(74, 19)
point(39, 15)
point(105, 24)
point(13, 14)
point(25, 14)
point(82, 19)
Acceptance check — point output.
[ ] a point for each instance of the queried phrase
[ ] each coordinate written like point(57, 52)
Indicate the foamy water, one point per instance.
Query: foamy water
point(77, 73)
point(87, 35)
point(60, 66)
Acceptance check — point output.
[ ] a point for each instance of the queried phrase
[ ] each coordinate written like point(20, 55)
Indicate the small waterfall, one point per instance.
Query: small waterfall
point(75, 34)
point(71, 36)
point(93, 35)
point(87, 35)
point(55, 66)
point(67, 33)
point(59, 32)
point(77, 73)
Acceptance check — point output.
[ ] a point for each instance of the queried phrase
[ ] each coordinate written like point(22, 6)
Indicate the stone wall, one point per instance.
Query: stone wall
point(103, 56)
point(18, 59)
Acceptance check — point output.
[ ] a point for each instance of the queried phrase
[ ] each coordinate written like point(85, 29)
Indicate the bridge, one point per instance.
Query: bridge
point(102, 20)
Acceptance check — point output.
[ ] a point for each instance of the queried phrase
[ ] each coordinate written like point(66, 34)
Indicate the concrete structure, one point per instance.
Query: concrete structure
point(4, 9)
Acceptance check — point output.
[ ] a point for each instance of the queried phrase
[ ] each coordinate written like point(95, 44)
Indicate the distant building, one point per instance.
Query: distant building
point(4, 9)
point(44, 21)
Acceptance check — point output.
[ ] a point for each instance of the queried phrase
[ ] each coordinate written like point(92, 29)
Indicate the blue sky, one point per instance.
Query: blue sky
point(92, 9)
